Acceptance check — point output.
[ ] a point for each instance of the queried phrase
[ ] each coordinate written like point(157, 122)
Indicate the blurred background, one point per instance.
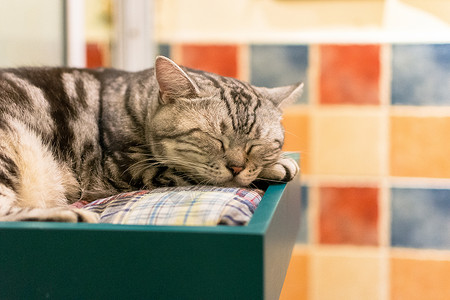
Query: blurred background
point(373, 126)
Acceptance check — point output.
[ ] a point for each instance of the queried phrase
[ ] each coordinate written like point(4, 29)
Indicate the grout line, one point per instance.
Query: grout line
point(385, 95)
point(421, 254)
point(305, 37)
point(313, 92)
point(313, 74)
point(420, 182)
point(385, 217)
point(312, 276)
point(343, 109)
point(385, 75)
point(176, 53)
point(385, 276)
point(346, 250)
point(387, 181)
point(419, 111)
point(384, 148)
point(384, 234)
point(342, 180)
point(395, 252)
point(313, 193)
point(243, 62)
point(313, 215)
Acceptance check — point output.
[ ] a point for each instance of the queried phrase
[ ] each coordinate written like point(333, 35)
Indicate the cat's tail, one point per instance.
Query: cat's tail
point(33, 183)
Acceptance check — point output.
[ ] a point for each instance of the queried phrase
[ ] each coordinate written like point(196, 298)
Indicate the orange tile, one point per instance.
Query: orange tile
point(351, 276)
point(296, 126)
point(94, 55)
point(420, 147)
point(295, 285)
point(219, 59)
point(349, 74)
point(348, 215)
point(347, 143)
point(420, 279)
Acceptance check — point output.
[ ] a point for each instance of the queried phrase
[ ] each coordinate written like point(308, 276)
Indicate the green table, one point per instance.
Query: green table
point(106, 261)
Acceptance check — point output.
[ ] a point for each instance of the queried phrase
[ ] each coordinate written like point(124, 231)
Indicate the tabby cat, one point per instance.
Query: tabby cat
point(69, 134)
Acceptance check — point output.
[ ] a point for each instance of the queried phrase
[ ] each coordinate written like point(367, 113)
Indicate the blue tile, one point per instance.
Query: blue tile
point(164, 50)
point(278, 65)
point(302, 237)
point(421, 74)
point(420, 218)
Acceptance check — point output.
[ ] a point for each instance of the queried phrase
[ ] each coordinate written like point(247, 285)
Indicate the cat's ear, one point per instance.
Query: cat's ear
point(173, 82)
point(282, 96)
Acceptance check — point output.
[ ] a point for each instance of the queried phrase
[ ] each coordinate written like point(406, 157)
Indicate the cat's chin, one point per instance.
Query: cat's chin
point(235, 182)
point(231, 184)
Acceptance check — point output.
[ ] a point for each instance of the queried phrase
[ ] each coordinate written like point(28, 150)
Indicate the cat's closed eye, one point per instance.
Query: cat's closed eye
point(222, 145)
point(249, 149)
point(263, 146)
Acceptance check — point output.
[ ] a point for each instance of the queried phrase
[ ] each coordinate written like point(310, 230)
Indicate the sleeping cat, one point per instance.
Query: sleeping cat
point(70, 134)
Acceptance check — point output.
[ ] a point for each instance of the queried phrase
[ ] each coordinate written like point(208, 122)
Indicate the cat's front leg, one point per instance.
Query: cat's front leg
point(284, 170)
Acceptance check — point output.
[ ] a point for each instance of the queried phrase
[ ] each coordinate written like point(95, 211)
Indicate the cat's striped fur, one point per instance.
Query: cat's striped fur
point(70, 134)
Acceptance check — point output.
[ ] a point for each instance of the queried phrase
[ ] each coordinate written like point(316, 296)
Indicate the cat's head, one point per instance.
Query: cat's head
point(216, 130)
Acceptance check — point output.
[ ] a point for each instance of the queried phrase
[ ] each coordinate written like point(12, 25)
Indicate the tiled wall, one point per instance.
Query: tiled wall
point(373, 128)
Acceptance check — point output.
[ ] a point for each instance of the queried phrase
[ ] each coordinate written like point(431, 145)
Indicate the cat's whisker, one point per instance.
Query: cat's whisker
point(291, 133)
point(270, 180)
point(141, 164)
point(252, 185)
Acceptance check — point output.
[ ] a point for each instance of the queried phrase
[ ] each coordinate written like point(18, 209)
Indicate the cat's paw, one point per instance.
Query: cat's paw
point(55, 214)
point(73, 215)
point(285, 169)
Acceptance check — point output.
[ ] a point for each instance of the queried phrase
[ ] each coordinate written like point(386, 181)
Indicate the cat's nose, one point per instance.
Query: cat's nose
point(235, 170)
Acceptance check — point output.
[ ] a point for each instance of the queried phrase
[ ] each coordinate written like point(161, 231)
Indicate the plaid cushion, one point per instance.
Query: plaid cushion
point(196, 206)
